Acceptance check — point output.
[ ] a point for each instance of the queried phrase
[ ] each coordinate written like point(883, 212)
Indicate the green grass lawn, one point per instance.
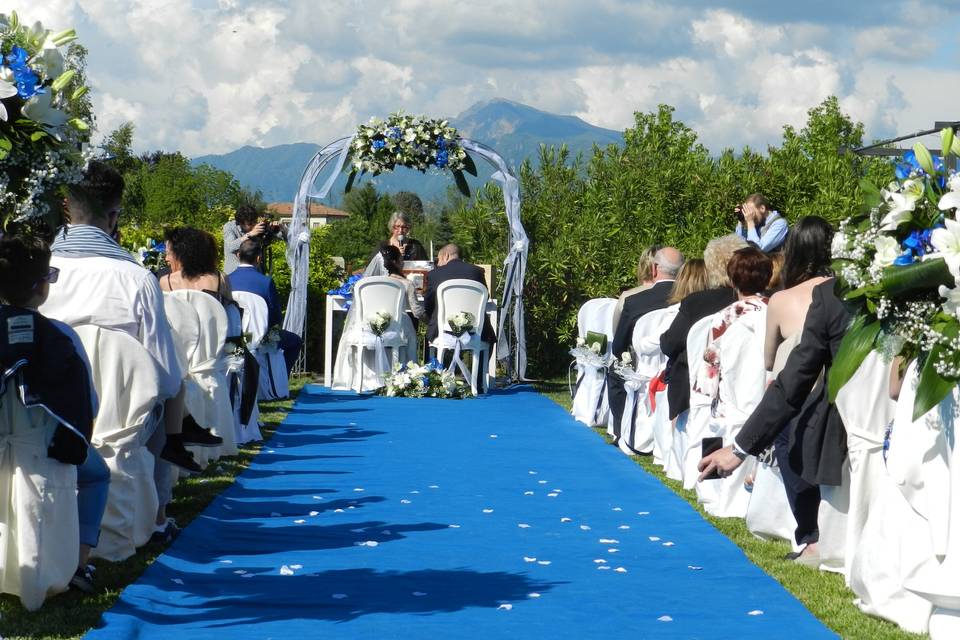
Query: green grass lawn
point(824, 594)
point(71, 614)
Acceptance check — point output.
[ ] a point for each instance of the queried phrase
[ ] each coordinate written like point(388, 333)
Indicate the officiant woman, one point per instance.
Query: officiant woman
point(400, 227)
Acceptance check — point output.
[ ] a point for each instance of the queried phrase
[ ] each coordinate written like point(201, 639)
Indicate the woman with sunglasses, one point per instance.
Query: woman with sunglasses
point(56, 361)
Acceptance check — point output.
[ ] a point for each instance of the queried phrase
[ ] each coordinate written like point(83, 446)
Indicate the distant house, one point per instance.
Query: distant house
point(319, 214)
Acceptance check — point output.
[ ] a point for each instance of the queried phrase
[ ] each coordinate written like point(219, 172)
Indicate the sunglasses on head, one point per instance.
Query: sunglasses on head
point(51, 277)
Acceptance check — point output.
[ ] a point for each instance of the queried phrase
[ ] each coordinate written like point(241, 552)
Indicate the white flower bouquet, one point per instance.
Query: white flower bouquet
point(461, 323)
point(44, 108)
point(379, 322)
point(414, 380)
point(415, 142)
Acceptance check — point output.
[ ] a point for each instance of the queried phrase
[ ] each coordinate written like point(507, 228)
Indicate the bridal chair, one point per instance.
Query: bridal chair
point(126, 379)
point(453, 297)
point(590, 403)
point(274, 384)
point(39, 530)
point(207, 396)
point(647, 428)
point(370, 296)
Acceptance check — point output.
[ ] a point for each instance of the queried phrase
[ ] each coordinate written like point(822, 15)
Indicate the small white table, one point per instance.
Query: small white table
point(337, 304)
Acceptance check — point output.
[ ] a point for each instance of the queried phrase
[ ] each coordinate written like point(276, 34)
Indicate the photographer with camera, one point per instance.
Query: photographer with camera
point(247, 224)
point(760, 225)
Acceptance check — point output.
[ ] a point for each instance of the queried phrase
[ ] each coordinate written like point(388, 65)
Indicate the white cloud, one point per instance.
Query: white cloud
point(207, 76)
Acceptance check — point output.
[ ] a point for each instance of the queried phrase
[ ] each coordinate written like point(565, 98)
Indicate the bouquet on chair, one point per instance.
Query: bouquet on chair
point(379, 322)
point(461, 323)
point(272, 337)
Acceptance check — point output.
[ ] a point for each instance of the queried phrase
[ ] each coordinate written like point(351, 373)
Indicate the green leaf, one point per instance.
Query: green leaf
point(5, 144)
point(931, 388)
point(37, 135)
point(350, 179)
point(923, 158)
point(469, 166)
point(919, 276)
point(63, 80)
point(854, 347)
point(461, 181)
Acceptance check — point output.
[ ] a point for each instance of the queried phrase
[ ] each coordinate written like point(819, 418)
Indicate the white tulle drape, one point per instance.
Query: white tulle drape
point(511, 345)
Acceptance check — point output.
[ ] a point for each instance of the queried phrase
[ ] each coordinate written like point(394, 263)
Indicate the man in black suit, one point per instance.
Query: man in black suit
point(451, 267)
point(666, 264)
point(820, 441)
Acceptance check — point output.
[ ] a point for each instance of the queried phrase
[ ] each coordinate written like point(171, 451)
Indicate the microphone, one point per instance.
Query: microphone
point(402, 239)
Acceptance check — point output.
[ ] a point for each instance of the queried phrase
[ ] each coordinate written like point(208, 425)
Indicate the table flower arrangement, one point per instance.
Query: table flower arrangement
point(42, 101)
point(430, 380)
point(897, 264)
point(415, 142)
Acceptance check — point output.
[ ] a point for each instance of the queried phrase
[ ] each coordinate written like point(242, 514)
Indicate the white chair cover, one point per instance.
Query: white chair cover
point(768, 515)
point(274, 384)
point(646, 426)
point(127, 382)
point(695, 426)
point(590, 402)
point(207, 396)
point(743, 379)
point(39, 529)
point(453, 297)
point(923, 460)
point(253, 322)
point(362, 358)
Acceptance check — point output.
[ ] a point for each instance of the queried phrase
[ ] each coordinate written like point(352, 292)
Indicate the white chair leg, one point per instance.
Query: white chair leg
point(360, 368)
point(474, 370)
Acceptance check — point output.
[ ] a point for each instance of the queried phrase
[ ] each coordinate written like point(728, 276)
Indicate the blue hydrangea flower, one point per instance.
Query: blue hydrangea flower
point(379, 144)
point(904, 259)
point(17, 58)
point(441, 143)
point(395, 133)
point(442, 159)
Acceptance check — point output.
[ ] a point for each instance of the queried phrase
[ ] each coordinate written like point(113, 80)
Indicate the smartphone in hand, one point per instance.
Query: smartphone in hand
point(708, 446)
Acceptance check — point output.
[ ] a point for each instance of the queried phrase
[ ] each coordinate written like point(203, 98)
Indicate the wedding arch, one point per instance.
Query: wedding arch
point(416, 143)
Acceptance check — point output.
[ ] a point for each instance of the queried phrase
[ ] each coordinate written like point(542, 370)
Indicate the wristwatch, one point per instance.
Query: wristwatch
point(737, 451)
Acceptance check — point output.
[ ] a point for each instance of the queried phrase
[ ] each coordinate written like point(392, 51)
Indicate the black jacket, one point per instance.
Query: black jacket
point(634, 308)
point(453, 270)
point(53, 375)
point(673, 342)
point(819, 433)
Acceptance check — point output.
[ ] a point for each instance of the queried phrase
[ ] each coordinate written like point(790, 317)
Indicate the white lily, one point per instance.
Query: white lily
point(901, 210)
point(888, 250)
point(946, 241)
point(950, 200)
point(952, 303)
point(7, 90)
point(40, 109)
point(49, 59)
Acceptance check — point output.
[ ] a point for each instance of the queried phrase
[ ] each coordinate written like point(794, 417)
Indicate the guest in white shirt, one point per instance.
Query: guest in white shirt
point(101, 284)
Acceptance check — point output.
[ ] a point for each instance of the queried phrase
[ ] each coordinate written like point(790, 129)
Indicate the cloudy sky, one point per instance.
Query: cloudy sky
point(208, 76)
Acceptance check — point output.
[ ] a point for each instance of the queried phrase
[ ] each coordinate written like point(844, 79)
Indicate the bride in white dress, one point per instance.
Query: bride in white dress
point(388, 261)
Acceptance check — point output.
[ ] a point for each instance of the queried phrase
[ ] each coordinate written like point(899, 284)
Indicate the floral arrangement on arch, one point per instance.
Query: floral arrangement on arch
point(42, 128)
point(415, 142)
point(898, 264)
point(430, 380)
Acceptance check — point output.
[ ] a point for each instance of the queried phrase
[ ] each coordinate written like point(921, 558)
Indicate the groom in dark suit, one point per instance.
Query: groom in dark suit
point(451, 267)
point(666, 264)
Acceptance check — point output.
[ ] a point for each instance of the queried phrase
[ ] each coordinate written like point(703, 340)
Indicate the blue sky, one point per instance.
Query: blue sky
point(208, 76)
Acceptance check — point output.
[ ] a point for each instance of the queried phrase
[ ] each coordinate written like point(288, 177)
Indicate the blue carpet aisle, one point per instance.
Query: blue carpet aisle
point(490, 518)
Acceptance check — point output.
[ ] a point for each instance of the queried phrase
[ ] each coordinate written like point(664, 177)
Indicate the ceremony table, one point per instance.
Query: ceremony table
point(337, 304)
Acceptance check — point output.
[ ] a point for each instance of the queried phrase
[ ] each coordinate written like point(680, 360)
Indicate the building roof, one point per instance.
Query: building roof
point(316, 210)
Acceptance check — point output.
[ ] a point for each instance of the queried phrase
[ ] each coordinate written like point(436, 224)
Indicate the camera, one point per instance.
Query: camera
point(738, 212)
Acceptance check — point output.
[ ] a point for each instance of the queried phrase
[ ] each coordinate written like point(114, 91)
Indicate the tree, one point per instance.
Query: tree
point(119, 146)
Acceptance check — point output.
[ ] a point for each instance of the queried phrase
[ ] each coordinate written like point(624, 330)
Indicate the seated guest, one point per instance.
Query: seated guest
point(694, 307)
point(665, 266)
point(58, 373)
point(644, 281)
point(247, 277)
point(192, 256)
point(807, 261)
point(692, 278)
point(451, 267)
point(759, 225)
point(101, 284)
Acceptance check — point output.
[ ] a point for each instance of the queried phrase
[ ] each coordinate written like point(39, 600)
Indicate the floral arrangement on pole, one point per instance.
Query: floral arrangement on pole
point(346, 289)
point(415, 142)
point(898, 265)
point(431, 380)
point(379, 322)
point(42, 99)
point(461, 323)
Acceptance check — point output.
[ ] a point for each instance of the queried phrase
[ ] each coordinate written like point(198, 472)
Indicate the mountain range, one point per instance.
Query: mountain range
point(515, 130)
